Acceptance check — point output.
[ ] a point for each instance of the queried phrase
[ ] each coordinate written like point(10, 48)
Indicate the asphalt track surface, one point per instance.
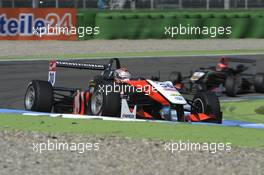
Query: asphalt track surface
point(15, 75)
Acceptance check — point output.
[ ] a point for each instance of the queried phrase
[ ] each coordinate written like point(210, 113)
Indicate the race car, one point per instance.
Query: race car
point(231, 76)
point(115, 93)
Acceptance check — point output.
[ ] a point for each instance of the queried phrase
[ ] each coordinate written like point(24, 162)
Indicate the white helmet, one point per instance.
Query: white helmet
point(122, 74)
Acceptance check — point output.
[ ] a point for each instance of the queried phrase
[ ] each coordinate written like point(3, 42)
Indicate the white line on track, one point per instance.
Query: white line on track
point(89, 117)
point(232, 123)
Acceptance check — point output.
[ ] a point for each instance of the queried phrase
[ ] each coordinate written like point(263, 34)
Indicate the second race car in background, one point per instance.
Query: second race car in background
point(231, 76)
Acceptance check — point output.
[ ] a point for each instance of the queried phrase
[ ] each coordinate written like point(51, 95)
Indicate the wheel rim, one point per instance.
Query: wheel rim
point(97, 103)
point(199, 106)
point(30, 98)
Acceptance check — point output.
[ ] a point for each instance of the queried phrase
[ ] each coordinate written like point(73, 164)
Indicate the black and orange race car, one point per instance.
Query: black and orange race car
point(116, 93)
point(231, 76)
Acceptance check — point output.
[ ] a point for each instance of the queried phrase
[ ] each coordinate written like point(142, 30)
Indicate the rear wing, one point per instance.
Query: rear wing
point(113, 63)
point(241, 60)
point(251, 65)
point(53, 65)
point(76, 65)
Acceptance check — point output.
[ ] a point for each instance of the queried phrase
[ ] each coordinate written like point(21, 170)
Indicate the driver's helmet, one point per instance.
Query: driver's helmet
point(222, 64)
point(122, 74)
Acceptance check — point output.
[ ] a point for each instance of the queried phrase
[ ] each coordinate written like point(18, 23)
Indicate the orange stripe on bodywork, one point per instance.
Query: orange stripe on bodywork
point(79, 103)
point(148, 90)
point(198, 117)
point(76, 103)
point(82, 104)
point(144, 114)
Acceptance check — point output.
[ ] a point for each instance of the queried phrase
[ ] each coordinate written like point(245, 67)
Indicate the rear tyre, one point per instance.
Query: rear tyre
point(175, 77)
point(207, 103)
point(231, 86)
point(39, 96)
point(104, 103)
point(259, 82)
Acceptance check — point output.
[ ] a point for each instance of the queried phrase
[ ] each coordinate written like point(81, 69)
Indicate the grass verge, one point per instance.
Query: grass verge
point(248, 110)
point(242, 137)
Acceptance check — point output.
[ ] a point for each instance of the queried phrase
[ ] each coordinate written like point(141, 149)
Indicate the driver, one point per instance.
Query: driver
point(122, 74)
point(215, 72)
point(222, 64)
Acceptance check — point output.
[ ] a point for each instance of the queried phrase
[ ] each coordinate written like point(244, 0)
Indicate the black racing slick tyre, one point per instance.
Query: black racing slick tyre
point(175, 77)
point(259, 82)
point(207, 103)
point(39, 96)
point(231, 86)
point(104, 102)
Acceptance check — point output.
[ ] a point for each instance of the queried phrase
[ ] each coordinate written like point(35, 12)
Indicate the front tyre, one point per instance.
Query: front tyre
point(39, 96)
point(231, 86)
point(207, 103)
point(105, 103)
point(259, 82)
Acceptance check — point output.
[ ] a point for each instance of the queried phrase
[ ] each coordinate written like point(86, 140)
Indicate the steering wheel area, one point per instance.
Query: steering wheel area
point(113, 64)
